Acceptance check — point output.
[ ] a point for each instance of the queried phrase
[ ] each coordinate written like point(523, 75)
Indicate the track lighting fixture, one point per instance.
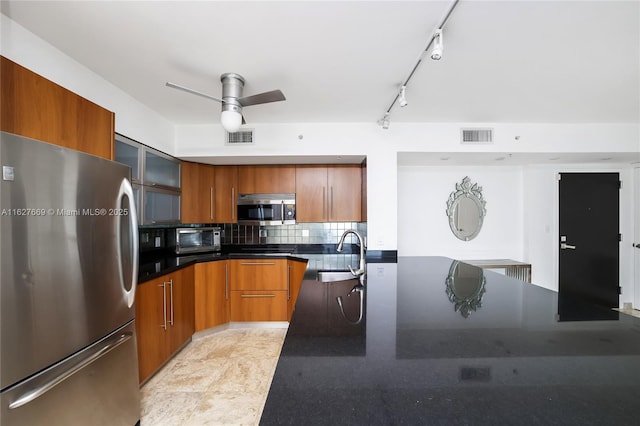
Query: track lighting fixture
point(384, 121)
point(438, 45)
point(435, 43)
point(403, 99)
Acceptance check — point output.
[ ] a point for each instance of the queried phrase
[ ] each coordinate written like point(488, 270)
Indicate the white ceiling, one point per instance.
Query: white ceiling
point(344, 61)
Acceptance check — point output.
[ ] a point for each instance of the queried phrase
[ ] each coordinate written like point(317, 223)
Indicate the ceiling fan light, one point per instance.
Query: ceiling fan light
point(231, 121)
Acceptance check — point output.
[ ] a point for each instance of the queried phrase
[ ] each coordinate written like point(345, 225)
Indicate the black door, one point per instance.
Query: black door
point(589, 243)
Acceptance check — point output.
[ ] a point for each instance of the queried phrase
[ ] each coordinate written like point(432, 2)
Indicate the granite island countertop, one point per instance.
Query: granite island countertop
point(445, 343)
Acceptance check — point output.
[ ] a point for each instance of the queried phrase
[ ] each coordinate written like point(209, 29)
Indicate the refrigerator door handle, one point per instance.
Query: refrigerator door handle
point(126, 190)
point(46, 387)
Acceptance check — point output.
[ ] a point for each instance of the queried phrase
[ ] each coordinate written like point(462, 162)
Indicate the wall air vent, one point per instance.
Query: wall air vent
point(241, 137)
point(477, 135)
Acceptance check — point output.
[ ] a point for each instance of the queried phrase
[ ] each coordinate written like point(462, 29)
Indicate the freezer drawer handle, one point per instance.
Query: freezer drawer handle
point(41, 390)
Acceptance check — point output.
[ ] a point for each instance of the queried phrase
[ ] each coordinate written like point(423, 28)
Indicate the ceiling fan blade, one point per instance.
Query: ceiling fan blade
point(262, 98)
point(194, 92)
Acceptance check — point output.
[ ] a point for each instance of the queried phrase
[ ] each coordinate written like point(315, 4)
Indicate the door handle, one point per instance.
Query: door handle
point(565, 246)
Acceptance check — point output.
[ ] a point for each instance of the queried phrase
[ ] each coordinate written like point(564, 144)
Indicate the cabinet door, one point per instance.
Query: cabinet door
point(311, 194)
point(295, 275)
point(226, 185)
point(181, 308)
point(197, 193)
point(258, 274)
point(211, 294)
point(266, 179)
point(345, 193)
point(264, 305)
point(37, 108)
point(151, 326)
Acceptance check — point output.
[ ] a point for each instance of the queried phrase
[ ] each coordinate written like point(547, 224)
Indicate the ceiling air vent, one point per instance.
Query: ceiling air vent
point(477, 135)
point(241, 137)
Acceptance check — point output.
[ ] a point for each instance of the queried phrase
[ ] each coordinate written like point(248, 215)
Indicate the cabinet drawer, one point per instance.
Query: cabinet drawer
point(258, 274)
point(259, 305)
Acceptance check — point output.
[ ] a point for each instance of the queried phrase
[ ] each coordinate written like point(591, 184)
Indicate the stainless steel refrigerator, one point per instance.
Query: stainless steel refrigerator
point(68, 240)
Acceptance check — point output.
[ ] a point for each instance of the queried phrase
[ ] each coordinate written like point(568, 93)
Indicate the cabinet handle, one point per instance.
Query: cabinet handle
point(331, 205)
point(257, 263)
point(211, 203)
point(171, 290)
point(164, 304)
point(288, 282)
point(226, 281)
point(254, 296)
point(233, 203)
point(324, 202)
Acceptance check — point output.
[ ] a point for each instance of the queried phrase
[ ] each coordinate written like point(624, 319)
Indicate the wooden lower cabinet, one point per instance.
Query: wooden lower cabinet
point(164, 318)
point(170, 308)
point(264, 289)
point(262, 305)
point(211, 280)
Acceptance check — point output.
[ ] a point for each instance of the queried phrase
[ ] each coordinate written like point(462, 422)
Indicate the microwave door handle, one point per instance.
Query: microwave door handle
point(282, 212)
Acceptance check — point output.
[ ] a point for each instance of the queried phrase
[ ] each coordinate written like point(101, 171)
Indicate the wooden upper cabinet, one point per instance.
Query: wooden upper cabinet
point(197, 199)
point(329, 193)
point(345, 193)
point(275, 179)
point(37, 108)
point(225, 194)
point(311, 194)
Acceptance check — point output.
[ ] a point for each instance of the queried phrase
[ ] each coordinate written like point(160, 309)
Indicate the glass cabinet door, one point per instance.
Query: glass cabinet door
point(161, 206)
point(129, 155)
point(160, 170)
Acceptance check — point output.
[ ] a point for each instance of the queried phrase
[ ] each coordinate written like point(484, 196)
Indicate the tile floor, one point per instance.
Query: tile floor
point(219, 379)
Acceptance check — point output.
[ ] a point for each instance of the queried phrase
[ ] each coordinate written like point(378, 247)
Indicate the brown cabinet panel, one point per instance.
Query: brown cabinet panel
point(181, 312)
point(266, 179)
point(329, 193)
point(295, 271)
point(211, 294)
point(37, 108)
point(225, 193)
point(264, 305)
point(345, 193)
point(164, 318)
point(311, 194)
point(258, 274)
point(150, 327)
point(197, 193)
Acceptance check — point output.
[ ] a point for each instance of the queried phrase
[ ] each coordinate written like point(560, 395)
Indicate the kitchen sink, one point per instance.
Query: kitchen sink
point(335, 275)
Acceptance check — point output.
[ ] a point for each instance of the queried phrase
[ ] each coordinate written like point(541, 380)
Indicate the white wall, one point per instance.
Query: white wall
point(423, 225)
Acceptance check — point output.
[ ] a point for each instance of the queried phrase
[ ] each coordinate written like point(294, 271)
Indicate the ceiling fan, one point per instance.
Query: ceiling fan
point(232, 100)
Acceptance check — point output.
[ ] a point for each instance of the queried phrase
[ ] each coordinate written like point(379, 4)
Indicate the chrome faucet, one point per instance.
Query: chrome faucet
point(361, 269)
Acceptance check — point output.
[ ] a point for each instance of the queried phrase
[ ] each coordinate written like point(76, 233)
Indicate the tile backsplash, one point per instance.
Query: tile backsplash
point(300, 233)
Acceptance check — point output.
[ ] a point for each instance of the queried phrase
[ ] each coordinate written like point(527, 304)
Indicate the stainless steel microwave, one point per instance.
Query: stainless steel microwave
point(267, 209)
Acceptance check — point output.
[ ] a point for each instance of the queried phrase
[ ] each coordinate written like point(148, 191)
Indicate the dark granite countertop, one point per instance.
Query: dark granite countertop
point(155, 264)
point(445, 343)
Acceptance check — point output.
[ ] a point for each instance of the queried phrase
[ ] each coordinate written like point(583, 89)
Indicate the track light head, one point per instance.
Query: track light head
point(403, 99)
point(384, 121)
point(438, 45)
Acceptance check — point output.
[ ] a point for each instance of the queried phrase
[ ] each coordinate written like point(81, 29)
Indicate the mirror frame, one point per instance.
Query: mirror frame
point(472, 191)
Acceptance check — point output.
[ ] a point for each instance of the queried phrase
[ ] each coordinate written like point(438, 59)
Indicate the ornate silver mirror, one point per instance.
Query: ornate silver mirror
point(465, 287)
point(466, 211)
